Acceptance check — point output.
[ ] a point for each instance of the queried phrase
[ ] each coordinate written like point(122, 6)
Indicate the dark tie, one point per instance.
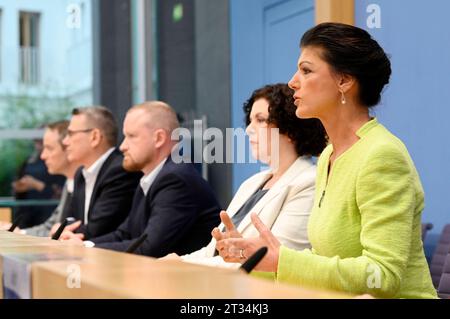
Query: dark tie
point(79, 193)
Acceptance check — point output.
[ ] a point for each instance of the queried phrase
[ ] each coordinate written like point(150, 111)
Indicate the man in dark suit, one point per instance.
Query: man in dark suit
point(103, 191)
point(173, 205)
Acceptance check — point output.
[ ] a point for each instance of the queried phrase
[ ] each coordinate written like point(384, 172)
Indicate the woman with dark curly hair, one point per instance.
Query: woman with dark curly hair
point(365, 226)
point(283, 195)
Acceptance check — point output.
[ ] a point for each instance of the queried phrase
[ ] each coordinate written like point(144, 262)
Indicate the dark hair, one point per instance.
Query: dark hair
point(351, 50)
point(61, 128)
point(308, 135)
point(100, 117)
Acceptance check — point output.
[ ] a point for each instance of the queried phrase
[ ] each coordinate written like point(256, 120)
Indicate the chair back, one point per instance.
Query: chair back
point(444, 284)
point(439, 256)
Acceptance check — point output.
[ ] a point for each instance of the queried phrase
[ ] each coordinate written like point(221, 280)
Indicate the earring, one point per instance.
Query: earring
point(343, 101)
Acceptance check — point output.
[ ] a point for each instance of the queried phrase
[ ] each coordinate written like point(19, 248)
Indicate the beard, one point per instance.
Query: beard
point(131, 165)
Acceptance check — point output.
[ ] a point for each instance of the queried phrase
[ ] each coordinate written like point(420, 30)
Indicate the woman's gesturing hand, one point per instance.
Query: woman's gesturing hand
point(239, 249)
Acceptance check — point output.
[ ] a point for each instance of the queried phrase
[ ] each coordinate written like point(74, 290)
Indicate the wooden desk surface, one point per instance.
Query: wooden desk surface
point(109, 274)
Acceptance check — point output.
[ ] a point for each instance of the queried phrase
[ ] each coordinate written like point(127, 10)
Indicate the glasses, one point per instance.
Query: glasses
point(71, 133)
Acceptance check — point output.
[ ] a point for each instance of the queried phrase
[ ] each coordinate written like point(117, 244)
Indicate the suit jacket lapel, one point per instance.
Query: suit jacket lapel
point(100, 176)
point(161, 174)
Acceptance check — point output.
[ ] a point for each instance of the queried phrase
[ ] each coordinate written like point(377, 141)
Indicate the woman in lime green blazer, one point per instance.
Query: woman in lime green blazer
point(366, 222)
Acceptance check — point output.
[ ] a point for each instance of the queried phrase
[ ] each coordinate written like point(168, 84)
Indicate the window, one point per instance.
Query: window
point(29, 47)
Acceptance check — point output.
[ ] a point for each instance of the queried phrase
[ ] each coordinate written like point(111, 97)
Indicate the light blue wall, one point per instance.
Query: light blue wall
point(265, 36)
point(416, 105)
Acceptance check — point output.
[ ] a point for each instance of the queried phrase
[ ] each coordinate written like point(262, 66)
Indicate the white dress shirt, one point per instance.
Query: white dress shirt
point(90, 176)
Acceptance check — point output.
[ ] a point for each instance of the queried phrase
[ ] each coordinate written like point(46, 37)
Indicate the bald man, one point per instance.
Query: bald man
point(173, 205)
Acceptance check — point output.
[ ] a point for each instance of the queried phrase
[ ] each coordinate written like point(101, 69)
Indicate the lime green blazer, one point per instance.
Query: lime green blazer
point(365, 227)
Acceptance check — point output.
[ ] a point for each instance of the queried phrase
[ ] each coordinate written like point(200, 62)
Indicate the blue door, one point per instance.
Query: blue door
point(265, 36)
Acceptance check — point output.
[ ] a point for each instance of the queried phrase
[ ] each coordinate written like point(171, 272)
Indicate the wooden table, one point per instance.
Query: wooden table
point(109, 274)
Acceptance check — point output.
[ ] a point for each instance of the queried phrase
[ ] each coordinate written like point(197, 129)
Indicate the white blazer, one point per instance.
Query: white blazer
point(285, 209)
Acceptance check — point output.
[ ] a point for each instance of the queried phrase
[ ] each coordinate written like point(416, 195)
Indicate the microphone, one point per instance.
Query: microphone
point(254, 260)
point(66, 222)
point(16, 223)
point(58, 233)
point(135, 245)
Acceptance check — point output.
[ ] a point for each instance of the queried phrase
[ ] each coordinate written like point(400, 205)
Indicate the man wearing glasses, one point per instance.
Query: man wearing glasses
point(103, 190)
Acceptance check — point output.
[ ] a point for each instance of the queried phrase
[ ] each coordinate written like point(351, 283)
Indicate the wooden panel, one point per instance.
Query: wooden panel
point(5, 214)
point(335, 11)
